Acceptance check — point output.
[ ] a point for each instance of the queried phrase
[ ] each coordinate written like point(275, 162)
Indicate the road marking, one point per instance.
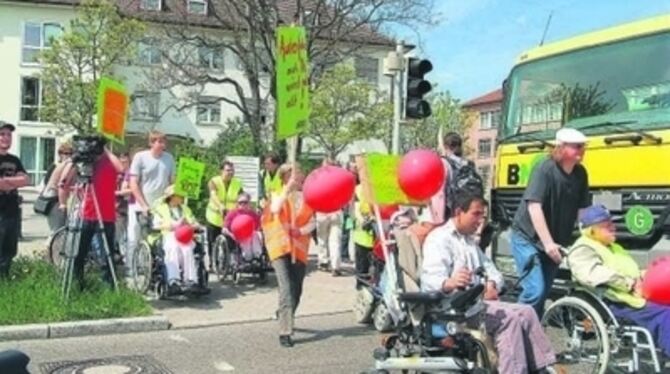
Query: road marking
point(179, 338)
point(223, 366)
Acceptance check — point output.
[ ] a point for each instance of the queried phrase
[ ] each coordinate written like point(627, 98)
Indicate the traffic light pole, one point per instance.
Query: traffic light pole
point(397, 100)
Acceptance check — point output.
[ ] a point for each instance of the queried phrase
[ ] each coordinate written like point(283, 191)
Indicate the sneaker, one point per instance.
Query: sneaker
point(337, 273)
point(324, 267)
point(174, 288)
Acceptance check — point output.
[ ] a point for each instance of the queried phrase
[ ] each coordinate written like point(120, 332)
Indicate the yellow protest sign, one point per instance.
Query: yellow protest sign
point(189, 177)
point(379, 176)
point(292, 81)
point(112, 105)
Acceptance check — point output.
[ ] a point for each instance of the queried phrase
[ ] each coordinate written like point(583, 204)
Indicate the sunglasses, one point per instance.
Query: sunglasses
point(243, 202)
point(65, 153)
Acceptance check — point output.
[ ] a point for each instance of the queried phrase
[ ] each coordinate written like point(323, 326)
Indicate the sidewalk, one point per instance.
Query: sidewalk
point(228, 303)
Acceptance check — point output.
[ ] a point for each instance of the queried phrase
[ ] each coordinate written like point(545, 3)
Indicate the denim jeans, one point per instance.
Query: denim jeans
point(537, 269)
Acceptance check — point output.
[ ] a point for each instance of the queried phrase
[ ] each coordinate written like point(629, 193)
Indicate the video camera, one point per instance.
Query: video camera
point(85, 151)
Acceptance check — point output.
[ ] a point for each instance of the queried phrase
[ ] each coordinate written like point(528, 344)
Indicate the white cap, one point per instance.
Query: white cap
point(570, 136)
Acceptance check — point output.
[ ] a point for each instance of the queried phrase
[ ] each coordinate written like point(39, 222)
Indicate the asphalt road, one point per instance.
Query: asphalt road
point(324, 344)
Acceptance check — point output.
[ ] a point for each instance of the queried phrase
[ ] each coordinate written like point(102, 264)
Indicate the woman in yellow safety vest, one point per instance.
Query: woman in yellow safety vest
point(287, 224)
point(223, 192)
point(363, 234)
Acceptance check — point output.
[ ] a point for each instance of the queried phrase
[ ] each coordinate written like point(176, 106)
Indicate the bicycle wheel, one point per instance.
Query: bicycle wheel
point(142, 264)
point(578, 335)
point(57, 247)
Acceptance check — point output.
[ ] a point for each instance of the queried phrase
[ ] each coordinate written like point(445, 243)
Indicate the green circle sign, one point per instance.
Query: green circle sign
point(639, 220)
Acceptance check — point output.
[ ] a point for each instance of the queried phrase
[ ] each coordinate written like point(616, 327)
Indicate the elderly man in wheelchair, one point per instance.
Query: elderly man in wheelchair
point(605, 310)
point(456, 331)
point(171, 258)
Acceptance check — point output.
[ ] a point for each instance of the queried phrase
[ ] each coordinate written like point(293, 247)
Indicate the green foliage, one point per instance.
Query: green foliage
point(447, 116)
point(34, 291)
point(95, 42)
point(346, 109)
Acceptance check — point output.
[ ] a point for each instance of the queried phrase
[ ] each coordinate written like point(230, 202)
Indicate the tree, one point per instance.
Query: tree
point(337, 29)
point(346, 109)
point(447, 116)
point(96, 42)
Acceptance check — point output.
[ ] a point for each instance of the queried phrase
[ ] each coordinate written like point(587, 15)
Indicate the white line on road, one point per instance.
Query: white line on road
point(223, 366)
point(179, 338)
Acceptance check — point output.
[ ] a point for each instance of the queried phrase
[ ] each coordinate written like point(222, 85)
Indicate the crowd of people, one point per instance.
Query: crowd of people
point(130, 194)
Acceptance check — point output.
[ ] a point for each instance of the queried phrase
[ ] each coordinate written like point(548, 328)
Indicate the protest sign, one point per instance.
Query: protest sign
point(112, 104)
point(189, 177)
point(292, 81)
point(378, 174)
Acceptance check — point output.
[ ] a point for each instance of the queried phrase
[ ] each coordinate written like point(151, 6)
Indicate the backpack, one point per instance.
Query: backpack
point(464, 177)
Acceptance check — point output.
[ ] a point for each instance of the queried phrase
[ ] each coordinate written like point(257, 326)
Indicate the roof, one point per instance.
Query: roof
point(220, 17)
point(488, 98)
point(613, 34)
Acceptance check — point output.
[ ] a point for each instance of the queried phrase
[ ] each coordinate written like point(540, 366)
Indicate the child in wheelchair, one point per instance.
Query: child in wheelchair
point(177, 225)
point(597, 261)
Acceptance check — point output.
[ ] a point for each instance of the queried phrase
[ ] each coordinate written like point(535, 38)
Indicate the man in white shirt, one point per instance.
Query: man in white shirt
point(450, 257)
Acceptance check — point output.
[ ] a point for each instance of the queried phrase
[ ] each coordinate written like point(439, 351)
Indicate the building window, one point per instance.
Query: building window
point(149, 53)
point(489, 120)
point(210, 58)
point(36, 154)
point(485, 173)
point(367, 68)
point(208, 111)
point(145, 105)
point(150, 4)
point(36, 37)
point(484, 148)
point(31, 99)
point(197, 6)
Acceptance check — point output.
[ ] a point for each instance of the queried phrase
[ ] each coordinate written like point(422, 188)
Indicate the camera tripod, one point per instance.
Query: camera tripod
point(75, 222)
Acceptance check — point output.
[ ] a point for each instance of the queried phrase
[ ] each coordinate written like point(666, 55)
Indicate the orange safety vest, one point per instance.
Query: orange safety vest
point(276, 230)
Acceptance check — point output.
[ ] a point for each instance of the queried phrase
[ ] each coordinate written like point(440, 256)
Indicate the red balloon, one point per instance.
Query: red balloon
point(421, 174)
point(184, 233)
point(386, 211)
point(243, 227)
point(328, 188)
point(655, 285)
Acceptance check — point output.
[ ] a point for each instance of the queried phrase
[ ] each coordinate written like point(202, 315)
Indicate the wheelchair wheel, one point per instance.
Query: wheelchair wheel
point(381, 318)
point(578, 335)
point(364, 305)
point(142, 267)
point(222, 254)
point(57, 247)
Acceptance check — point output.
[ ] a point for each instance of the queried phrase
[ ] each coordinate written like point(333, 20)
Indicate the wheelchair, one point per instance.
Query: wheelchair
point(149, 272)
point(588, 338)
point(414, 345)
point(231, 261)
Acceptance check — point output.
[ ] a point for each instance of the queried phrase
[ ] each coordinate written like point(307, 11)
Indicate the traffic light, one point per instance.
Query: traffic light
point(415, 106)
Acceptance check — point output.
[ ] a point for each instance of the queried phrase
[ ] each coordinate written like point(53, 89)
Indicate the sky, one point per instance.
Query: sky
point(477, 41)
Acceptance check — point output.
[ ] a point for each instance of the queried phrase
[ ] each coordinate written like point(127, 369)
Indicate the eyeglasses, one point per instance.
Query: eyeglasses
point(243, 202)
point(65, 153)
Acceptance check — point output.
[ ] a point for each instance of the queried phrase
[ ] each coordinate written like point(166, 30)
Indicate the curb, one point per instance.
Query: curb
point(84, 328)
point(257, 320)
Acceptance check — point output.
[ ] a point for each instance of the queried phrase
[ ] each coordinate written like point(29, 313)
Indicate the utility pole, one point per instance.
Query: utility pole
point(394, 66)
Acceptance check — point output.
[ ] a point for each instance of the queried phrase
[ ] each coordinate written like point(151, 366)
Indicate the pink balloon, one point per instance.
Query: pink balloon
point(328, 188)
point(656, 284)
point(242, 227)
point(184, 233)
point(421, 174)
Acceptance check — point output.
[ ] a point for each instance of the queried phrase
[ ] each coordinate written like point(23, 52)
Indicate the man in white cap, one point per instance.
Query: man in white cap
point(557, 190)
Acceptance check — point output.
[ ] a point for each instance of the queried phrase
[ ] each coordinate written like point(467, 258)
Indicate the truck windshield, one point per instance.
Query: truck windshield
point(628, 78)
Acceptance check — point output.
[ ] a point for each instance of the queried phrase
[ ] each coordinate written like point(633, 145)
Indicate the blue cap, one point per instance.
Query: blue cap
point(593, 215)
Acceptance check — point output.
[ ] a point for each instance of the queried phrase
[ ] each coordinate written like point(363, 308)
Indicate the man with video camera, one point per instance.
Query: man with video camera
point(94, 163)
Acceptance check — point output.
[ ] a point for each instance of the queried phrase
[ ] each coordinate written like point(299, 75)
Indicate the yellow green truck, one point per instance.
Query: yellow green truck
point(614, 86)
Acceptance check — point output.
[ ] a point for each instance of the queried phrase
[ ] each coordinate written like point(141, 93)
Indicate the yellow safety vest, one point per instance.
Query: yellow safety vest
point(271, 184)
point(617, 258)
point(162, 210)
point(362, 237)
point(227, 197)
